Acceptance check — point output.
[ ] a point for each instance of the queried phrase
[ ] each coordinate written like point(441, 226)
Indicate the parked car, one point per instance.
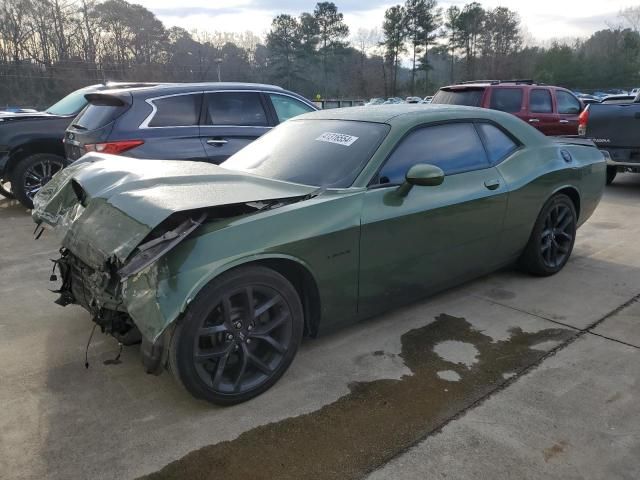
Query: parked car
point(375, 101)
point(635, 91)
point(618, 99)
point(393, 101)
point(552, 110)
point(614, 128)
point(587, 99)
point(413, 100)
point(332, 217)
point(427, 99)
point(199, 121)
point(31, 149)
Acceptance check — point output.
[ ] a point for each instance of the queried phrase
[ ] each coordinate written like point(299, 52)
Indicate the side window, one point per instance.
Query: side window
point(454, 147)
point(287, 107)
point(506, 99)
point(235, 108)
point(567, 103)
point(178, 111)
point(540, 101)
point(498, 143)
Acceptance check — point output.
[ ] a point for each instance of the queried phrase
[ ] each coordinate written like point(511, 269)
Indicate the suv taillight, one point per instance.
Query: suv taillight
point(113, 147)
point(582, 122)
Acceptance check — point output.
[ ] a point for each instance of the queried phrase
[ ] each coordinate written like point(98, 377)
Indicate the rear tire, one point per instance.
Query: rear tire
point(611, 174)
point(238, 337)
point(552, 238)
point(32, 173)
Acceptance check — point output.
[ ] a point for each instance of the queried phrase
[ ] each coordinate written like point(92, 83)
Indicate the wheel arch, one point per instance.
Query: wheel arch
point(571, 192)
point(24, 150)
point(296, 271)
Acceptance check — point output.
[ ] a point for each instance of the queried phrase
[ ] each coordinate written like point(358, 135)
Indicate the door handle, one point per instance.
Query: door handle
point(492, 184)
point(534, 120)
point(217, 142)
point(564, 121)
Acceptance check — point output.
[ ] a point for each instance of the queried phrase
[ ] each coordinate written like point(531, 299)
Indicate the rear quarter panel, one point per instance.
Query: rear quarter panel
point(535, 174)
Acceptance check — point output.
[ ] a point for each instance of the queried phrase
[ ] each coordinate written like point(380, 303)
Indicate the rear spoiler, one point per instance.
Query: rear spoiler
point(103, 99)
point(574, 140)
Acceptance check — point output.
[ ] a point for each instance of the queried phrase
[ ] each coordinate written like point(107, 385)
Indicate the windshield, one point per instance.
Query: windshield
point(322, 153)
point(71, 104)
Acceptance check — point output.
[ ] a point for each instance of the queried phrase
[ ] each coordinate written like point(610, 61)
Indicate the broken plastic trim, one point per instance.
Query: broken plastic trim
point(152, 250)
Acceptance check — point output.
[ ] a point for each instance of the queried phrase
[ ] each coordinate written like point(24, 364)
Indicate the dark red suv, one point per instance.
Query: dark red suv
point(552, 110)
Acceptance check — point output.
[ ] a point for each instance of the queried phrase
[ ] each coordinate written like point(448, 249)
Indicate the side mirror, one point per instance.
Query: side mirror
point(422, 175)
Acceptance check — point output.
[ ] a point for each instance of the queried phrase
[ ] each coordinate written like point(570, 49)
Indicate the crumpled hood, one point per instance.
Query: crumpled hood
point(127, 198)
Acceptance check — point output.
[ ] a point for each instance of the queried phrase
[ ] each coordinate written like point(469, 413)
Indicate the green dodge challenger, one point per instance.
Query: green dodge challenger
point(334, 216)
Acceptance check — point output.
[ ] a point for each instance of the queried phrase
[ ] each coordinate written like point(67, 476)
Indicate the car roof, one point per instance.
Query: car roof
point(406, 116)
point(175, 88)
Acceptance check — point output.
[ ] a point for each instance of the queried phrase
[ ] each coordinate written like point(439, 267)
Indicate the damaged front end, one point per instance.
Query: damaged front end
point(118, 224)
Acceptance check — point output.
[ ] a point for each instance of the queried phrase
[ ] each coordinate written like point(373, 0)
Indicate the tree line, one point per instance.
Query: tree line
point(50, 47)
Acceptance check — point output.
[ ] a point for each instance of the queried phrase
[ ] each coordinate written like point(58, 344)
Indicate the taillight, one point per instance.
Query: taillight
point(583, 119)
point(113, 147)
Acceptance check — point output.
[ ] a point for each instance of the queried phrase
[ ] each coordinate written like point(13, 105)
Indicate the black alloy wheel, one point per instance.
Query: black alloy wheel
point(552, 239)
point(238, 337)
point(33, 173)
point(557, 236)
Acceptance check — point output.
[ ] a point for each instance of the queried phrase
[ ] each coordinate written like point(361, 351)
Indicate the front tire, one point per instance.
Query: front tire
point(32, 173)
point(238, 337)
point(552, 238)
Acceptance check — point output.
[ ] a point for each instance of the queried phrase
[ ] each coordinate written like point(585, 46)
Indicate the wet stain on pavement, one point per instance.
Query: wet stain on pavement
point(555, 450)
point(377, 419)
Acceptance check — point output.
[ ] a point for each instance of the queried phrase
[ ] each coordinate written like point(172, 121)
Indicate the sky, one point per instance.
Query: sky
point(544, 20)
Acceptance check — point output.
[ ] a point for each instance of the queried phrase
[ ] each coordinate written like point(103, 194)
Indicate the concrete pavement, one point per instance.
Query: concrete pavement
point(472, 360)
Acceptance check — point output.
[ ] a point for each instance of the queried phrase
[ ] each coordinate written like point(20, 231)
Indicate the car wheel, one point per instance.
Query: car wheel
point(32, 173)
point(611, 174)
point(5, 188)
point(238, 336)
point(552, 239)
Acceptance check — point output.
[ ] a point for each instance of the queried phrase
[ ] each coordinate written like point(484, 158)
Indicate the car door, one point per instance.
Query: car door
point(171, 132)
point(433, 237)
point(540, 111)
point(230, 121)
point(568, 108)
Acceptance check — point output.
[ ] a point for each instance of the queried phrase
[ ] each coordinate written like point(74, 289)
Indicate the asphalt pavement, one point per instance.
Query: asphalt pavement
point(508, 376)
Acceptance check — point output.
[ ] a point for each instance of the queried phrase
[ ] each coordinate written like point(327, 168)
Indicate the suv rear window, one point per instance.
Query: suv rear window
point(506, 99)
point(471, 97)
point(540, 101)
point(97, 116)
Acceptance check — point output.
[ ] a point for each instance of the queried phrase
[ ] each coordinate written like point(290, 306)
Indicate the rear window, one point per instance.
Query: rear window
point(97, 116)
point(471, 97)
point(177, 111)
point(499, 144)
point(506, 99)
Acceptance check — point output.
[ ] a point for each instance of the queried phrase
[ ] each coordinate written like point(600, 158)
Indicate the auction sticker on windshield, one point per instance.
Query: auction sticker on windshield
point(337, 138)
